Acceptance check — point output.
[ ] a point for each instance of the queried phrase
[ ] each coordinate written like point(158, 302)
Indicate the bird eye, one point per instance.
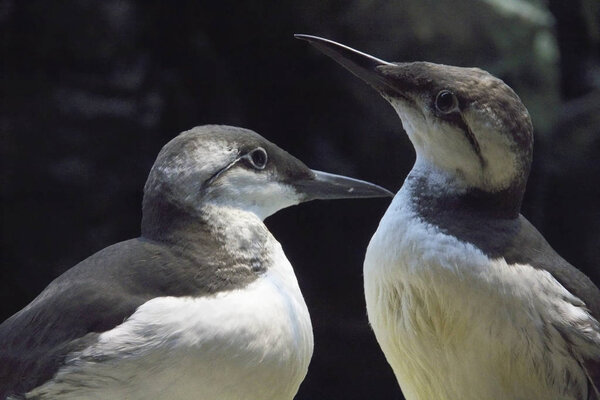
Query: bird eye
point(258, 158)
point(446, 102)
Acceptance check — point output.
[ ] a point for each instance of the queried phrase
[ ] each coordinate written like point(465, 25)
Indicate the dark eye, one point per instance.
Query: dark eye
point(446, 102)
point(258, 158)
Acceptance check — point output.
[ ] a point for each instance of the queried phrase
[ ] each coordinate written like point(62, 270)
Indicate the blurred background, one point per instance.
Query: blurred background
point(91, 90)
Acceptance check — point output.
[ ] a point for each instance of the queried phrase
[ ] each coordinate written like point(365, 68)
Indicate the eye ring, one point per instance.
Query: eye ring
point(446, 102)
point(258, 158)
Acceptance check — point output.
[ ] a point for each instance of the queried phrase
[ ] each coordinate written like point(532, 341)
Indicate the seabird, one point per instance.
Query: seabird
point(203, 305)
point(466, 298)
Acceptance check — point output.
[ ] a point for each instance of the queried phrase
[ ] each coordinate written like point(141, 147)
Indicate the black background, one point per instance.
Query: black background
point(91, 90)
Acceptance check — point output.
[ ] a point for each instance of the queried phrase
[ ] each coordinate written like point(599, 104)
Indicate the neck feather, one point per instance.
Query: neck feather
point(241, 234)
point(436, 193)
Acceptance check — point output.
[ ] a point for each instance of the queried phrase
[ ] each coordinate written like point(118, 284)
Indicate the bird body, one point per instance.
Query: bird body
point(182, 347)
point(203, 305)
point(445, 312)
point(466, 298)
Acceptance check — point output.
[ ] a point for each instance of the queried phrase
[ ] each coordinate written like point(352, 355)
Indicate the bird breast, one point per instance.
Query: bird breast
point(455, 324)
point(251, 343)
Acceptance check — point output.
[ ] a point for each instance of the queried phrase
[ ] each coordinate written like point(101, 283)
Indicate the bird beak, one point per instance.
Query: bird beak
point(364, 66)
point(325, 186)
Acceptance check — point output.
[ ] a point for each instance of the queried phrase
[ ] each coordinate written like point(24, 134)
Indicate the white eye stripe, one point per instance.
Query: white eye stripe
point(259, 163)
point(221, 171)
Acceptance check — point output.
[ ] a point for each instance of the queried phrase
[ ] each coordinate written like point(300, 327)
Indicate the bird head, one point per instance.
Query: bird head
point(235, 168)
point(465, 124)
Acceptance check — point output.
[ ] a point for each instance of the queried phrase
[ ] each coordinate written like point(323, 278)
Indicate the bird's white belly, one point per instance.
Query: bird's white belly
point(442, 315)
point(248, 344)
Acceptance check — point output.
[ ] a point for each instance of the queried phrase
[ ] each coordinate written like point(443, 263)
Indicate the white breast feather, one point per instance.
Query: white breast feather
point(254, 343)
point(455, 324)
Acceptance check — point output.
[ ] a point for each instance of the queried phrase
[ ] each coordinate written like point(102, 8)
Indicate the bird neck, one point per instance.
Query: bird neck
point(239, 233)
point(435, 194)
point(241, 230)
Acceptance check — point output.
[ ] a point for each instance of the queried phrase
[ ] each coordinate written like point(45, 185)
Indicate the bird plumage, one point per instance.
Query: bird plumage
point(203, 305)
point(461, 315)
point(111, 307)
point(466, 298)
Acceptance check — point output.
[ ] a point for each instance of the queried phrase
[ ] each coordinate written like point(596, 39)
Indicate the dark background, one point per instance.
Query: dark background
point(91, 90)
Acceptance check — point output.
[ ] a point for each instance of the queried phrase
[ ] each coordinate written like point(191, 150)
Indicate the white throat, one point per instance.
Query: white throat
point(248, 191)
point(446, 148)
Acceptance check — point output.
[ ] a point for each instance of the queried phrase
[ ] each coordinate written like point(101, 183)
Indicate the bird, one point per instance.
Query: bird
point(466, 298)
point(203, 305)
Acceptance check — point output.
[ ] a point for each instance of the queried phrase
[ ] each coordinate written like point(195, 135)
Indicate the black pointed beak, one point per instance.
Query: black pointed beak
point(364, 66)
point(325, 186)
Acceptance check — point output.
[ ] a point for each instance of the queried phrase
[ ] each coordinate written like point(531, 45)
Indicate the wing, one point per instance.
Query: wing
point(174, 345)
point(527, 246)
point(530, 246)
point(94, 296)
point(518, 242)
